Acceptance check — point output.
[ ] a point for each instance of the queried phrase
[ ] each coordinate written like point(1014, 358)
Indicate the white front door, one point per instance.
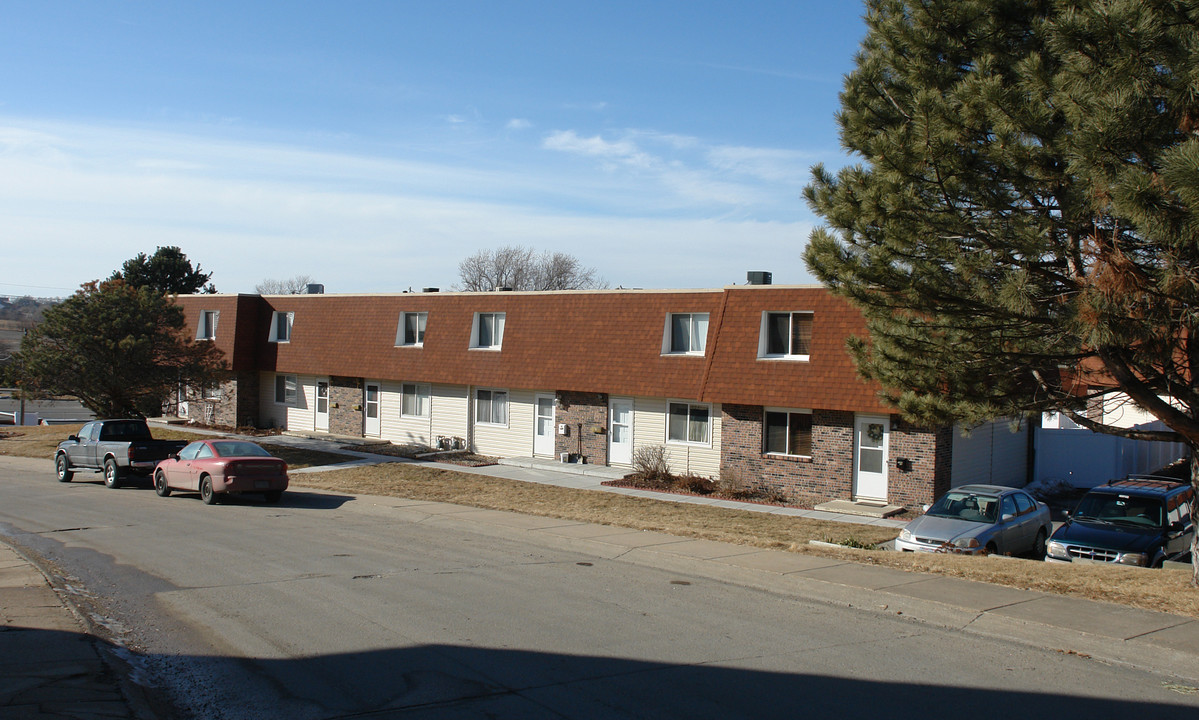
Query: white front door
point(370, 410)
point(620, 431)
point(870, 439)
point(543, 426)
point(322, 405)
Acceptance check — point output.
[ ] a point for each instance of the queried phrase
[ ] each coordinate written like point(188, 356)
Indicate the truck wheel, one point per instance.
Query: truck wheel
point(160, 485)
point(63, 468)
point(207, 494)
point(112, 474)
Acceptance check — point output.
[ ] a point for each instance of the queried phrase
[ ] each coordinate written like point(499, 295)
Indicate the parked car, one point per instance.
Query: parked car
point(980, 519)
point(216, 468)
point(116, 447)
point(1140, 521)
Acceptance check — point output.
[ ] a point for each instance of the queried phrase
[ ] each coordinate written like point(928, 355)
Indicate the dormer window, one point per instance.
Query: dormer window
point(206, 330)
point(786, 335)
point(487, 333)
point(686, 333)
point(281, 323)
point(411, 331)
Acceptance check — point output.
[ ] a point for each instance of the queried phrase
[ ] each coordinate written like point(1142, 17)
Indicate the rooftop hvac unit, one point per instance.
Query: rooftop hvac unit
point(758, 277)
point(315, 289)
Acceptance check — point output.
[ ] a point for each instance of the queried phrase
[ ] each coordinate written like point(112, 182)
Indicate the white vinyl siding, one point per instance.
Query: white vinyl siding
point(298, 416)
point(516, 438)
point(649, 428)
point(449, 410)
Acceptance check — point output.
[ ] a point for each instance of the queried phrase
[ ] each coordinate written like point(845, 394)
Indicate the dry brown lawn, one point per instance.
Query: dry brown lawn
point(1163, 590)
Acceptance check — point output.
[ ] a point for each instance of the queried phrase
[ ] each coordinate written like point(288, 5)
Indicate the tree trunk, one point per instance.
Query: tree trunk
point(1194, 516)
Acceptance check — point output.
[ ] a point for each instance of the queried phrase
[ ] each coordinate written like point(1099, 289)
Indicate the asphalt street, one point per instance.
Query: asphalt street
point(336, 606)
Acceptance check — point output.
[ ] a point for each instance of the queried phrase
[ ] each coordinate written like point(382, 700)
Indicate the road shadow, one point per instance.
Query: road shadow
point(451, 681)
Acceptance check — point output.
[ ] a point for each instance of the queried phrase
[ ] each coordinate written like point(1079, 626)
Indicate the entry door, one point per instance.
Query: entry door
point(620, 431)
point(370, 410)
point(322, 405)
point(870, 458)
point(543, 426)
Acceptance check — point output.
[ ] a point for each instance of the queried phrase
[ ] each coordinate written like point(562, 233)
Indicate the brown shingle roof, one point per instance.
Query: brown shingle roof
point(590, 341)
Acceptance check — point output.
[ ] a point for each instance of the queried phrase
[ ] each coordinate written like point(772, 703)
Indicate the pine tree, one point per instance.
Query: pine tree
point(120, 349)
point(1021, 230)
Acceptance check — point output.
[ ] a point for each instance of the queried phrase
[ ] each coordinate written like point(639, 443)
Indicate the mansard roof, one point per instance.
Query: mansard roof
point(604, 341)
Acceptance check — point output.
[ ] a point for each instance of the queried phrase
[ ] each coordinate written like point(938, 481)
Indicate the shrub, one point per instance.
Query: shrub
point(649, 463)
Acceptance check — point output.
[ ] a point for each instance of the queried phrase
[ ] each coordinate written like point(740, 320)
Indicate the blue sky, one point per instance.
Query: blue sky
point(372, 145)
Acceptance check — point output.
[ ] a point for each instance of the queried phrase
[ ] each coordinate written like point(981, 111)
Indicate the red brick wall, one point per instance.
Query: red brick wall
point(591, 411)
point(828, 473)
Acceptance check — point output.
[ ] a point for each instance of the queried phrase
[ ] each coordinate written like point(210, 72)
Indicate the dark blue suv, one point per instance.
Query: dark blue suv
point(1137, 521)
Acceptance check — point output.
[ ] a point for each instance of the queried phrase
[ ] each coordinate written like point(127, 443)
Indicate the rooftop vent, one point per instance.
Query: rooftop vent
point(314, 289)
point(757, 277)
point(430, 289)
point(503, 288)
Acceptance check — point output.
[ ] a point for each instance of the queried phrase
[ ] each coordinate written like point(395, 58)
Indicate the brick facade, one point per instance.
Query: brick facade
point(828, 473)
point(583, 413)
point(236, 406)
point(345, 406)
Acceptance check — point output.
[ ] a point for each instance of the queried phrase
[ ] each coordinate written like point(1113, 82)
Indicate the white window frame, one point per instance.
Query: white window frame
point(691, 406)
point(493, 394)
point(697, 332)
point(281, 332)
point(422, 393)
point(206, 328)
point(764, 336)
point(422, 320)
point(289, 387)
point(497, 330)
point(788, 412)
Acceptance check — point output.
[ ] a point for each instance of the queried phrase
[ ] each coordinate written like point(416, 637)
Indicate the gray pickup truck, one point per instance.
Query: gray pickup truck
point(117, 448)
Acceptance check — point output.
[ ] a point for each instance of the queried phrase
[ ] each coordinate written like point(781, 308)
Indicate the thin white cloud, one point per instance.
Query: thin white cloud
point(518, 124)
point(79, 200)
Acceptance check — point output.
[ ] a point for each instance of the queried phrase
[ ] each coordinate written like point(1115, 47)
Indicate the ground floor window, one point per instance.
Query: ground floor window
point(491, 407)
point(788, 432)
point(414, 400)
point(689, 423)
point(285, 389)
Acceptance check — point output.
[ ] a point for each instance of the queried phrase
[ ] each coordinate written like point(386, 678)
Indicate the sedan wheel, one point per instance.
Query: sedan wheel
point(207, 494)
point(63, 468)
point(112, 474)
point(160, 485)
point(1038, 545)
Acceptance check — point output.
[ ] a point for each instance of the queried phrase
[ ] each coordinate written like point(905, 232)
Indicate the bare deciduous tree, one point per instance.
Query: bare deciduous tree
point(522, 268)
point(297, 285)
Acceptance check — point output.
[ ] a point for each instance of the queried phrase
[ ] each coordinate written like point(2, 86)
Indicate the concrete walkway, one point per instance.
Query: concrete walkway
point(51, 666)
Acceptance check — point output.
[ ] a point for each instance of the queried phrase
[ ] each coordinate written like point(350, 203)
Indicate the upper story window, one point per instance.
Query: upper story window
point(412, 328)
point(281, 323)
point(686, 333)
point(286, 387)
point(414, 400)
point(487, 333)
point(491, 407)
point(786, 335)
point(788, 432)
point(206, 330)
point(689, 423)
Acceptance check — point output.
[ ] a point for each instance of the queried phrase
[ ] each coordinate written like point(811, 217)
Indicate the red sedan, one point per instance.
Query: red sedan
point(215, 468)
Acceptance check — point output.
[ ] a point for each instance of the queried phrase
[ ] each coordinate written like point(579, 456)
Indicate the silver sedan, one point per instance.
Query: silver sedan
point(980, 519)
